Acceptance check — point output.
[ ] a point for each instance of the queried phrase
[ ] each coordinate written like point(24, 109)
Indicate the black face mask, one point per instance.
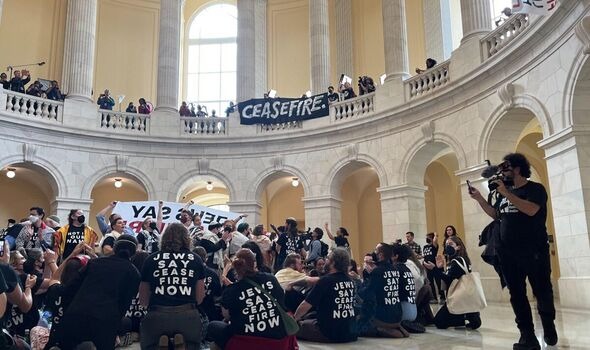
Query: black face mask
point(153, 225)
point(375, 257)
point(428, 240)
point(450, 251)
point(81, 219)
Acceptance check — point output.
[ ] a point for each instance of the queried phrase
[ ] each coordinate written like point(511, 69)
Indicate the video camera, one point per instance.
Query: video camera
point(494, 173)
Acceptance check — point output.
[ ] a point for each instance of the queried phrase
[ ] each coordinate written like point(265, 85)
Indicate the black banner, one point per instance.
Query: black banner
point(282, 110)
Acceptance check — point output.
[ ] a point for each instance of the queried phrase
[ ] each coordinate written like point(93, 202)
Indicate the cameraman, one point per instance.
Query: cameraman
point(521, 207)
point(366, 85)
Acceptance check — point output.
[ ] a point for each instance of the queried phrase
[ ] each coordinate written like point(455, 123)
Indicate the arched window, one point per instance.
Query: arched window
point(212, 52)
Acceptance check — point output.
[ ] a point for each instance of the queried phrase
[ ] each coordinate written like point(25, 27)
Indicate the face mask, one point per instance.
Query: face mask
point(153, 225)
point(450, 251)
point(33, 219)
point(375, 257)
point(81, 219)
point(428, 240)
point(184, 219)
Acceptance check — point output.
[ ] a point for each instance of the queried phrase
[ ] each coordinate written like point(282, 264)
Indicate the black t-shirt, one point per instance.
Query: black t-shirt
point(212, 290)
point(333, 97)
point(11, 281)
point(383, 286)
point(333, 299)
point(136, 312)
point(17, 321)
point(148, 241)
point(341, 241)
point(173, 277)
point(14, 230)
point(289, 244)
point(407, 285)
point(74, 236)
point(522, 234)
point(104, 289)
point(56, 302)
point(429, 253)
point(253, 313)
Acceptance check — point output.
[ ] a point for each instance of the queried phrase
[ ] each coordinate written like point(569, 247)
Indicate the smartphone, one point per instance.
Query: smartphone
point(1, 247)
point(44, 245)
point(469, 187)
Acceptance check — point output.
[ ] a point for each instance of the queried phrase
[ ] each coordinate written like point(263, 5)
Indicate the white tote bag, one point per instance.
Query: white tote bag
point(465, 294)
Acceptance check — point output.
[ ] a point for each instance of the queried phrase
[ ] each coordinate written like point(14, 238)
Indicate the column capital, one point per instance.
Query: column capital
point(472, 172)
point(402, 191)
point(249, 204)
point(322, 202)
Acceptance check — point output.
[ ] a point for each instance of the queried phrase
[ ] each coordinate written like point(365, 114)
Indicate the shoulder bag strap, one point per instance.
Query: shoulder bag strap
point(462, 265)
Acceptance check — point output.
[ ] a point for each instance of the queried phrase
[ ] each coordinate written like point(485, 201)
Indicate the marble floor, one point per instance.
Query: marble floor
point(498, 332)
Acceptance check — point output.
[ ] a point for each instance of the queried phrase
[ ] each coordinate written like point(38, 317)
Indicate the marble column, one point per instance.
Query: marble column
point(251, 65)
point(1, 6)
point(319, 31)
point(169, 55)
point(437, 29)
point(79, 47)
point(250, 208)
point(403, 209)
point(395, 38)
point(476, 18)
point(344, 53)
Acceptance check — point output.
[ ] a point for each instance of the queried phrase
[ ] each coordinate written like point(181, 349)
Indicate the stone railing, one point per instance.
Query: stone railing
point(357, 107)
point(203, 126)
point(428, 81)
point(120, 121)
point(31, 106)
point(496, 40)
point(265, 128)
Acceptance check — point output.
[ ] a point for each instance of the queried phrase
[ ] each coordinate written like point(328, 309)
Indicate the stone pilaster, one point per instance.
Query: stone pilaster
point(250, 208)
point(344, 53)
point(403, 209)
point(79, 46)
point(169, 55)
point(322, 209)
point(251, 68)
point(319, 30)
point(395, 39)
point(476, 18)
point(260, 48)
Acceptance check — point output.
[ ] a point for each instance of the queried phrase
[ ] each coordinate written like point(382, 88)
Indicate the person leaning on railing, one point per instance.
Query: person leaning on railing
point(17, 84)
point(54, 93)
point(105, 101)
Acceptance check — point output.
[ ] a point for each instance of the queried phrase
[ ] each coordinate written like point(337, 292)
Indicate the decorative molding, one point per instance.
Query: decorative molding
point(121, 163)
point(353, 151)
point(428, 131)
point(582, 30)
point(203, 166)
point(29, 152)
point(278, 162)
point(402, 191)
point(506, 94)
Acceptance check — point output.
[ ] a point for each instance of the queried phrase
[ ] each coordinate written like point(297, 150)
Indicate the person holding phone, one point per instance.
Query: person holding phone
point(34, 231)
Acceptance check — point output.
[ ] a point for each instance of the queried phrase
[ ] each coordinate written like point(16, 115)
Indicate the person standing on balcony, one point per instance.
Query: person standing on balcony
point(4, 81)
point(35, 89)
point(54, 93)
point(17, 84)
point(430, 63)
point(144, 107)
point(347, 91)
point(332, 96)
point(105, 101)
point(183, 110)
point(131, 108)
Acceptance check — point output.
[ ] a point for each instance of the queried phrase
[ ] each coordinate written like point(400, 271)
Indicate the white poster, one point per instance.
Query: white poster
point(536, 7)
point(135, 212)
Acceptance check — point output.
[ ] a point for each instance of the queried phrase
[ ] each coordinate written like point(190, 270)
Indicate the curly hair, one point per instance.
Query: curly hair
point(518, 160)
point(175, 239)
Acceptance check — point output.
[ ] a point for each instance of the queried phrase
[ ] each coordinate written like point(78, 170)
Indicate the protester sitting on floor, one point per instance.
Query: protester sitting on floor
point(294, 281)
point(242, 310)
point(455, 250)
point(333, 299)
point(381, 312)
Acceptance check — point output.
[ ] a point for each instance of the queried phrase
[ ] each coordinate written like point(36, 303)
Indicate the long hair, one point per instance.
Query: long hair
point(256, 250)
point(244, 263)
point(452, 228)
point(175, 239)
point(463, 251)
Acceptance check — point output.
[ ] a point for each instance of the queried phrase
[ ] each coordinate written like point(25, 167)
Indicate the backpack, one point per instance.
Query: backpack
point(324, 250)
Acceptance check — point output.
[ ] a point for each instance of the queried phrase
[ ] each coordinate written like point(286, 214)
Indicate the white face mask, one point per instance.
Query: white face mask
point(33, 219)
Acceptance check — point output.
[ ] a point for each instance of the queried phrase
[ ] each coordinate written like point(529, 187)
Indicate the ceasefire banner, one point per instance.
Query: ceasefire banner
point(535, 7)
point(283, 110)
point(135, 212)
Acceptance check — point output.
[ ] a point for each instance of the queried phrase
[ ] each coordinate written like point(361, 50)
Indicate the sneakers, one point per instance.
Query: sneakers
point(179, 342)
point(527, 341)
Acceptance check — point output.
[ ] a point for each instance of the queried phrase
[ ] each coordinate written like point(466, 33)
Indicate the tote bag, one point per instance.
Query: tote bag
point(465, 295)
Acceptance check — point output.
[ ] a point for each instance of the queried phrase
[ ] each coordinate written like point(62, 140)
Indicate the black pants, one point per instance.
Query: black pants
point(171, 320)
point(435, 281)
point(76, 329)
point(537, 268)
point(444, 319)
point(219, 332)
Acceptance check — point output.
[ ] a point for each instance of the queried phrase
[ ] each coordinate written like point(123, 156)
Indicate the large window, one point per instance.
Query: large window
point(212, 52)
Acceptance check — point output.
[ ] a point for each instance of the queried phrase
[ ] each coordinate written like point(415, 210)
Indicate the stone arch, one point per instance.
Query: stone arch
point(57, 179)
point(577, 90)
point(503, 128)
point(339, 170)
point(134, 173)
point(191, 175)
point(269, 175)
point(420, 154)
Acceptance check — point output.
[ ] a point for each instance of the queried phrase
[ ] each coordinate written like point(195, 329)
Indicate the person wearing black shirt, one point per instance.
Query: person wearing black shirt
point(407, 285)
point(288, 242)
point(455, 251)
point(15, 295)
point(524, 252)
point(429, 253)
point(341, 239)
point(250, 310)
point(212, 289)
point(101, 294)
point(382, 311)
point(54, 93)
point(4, 81)
point(172, 285)
point(333, 300)
point(332, 96)
point(149, 237)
